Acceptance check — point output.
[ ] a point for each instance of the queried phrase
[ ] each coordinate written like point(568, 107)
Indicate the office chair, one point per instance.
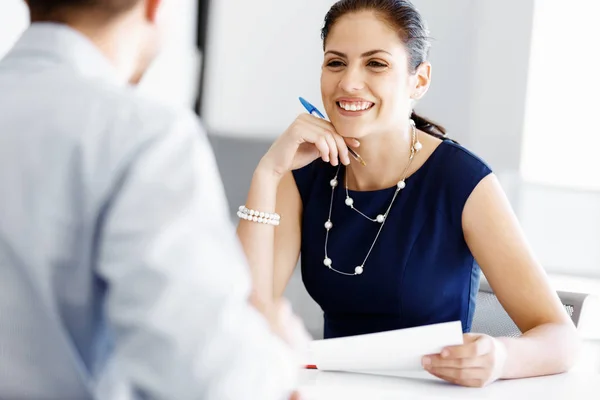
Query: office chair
point(490, 317)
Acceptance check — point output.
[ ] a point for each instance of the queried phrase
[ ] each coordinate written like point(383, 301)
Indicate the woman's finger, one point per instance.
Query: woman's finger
point(352, 142)
point(322, 139)
point(321, 144)
point(474, 346)
point(479, 382)
point(435, 361)
point(333, 148)
point(342, 148)
point(459, 376)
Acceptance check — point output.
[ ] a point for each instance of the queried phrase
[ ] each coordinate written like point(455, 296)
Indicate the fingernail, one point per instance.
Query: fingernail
point(426, 361)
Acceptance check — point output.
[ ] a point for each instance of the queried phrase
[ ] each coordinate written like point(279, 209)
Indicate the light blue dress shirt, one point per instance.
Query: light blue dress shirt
point(120, 274)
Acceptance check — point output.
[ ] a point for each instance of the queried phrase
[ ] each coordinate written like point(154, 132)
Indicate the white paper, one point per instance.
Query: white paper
point(391, 351)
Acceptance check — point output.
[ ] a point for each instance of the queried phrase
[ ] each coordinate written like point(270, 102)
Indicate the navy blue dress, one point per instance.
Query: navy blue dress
point(420, 271)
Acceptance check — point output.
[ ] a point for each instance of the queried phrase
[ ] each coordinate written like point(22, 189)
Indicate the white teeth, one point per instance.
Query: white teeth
point(355, 105)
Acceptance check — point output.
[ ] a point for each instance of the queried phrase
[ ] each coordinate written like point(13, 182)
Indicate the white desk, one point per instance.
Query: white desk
point(316, 385)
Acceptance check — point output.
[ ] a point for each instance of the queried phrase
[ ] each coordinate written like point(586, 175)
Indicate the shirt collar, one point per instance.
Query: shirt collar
point(65, 44)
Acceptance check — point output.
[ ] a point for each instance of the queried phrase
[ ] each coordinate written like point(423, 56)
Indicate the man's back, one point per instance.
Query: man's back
point(113, 276)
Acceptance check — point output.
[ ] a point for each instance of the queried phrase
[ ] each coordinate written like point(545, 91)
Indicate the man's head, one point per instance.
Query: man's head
point(61, 10)
point(125, 30)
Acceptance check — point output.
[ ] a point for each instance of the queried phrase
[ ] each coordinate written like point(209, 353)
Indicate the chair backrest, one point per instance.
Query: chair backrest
point(491, 318)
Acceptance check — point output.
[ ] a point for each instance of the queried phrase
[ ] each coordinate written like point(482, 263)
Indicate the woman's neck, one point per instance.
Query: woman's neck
point(386, 156)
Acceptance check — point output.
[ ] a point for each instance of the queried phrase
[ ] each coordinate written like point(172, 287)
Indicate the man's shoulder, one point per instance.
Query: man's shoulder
point(130, 114)
point(127, 104)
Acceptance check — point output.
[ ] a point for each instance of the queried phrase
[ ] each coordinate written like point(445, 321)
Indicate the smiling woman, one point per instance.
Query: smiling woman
point(401, 241)
point(379, 60)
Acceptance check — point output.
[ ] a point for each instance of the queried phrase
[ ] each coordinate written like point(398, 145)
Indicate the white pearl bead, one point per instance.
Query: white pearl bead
point(260, 219)
point(255, 219)
point(333, 182)
point(358, 270)
point(241, 208)
point(328, 225)
point(380, 218)
point(401, 185)
point(418, 146)
point(262, 214)
point(412, 122)
point(327, 262)
point(349, 201)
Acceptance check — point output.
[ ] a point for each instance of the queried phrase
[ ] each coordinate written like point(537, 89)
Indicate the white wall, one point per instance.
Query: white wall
point(174, 76)
point(14, 18)
point(260, 56)
point(448, 101)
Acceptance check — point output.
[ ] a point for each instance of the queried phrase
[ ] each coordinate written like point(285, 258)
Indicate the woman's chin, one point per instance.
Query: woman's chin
point(352, 132)
point(345, 129)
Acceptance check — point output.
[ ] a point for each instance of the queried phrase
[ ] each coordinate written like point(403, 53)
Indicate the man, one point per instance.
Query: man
point(120, 274)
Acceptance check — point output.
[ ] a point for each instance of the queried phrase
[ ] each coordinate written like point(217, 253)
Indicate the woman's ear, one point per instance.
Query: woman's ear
point(422, 81)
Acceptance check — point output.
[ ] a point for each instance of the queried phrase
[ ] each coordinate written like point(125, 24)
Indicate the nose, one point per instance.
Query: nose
point(352, 80)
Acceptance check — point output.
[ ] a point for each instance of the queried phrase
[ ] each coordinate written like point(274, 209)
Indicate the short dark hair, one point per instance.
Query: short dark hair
point(56, 9)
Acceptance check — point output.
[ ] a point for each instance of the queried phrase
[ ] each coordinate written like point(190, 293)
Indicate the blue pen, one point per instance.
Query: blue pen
point(310, 108)
point(315, 111)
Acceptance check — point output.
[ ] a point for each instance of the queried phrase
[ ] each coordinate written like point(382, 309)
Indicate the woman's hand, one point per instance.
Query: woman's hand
point(306, 139)
point(476, 363)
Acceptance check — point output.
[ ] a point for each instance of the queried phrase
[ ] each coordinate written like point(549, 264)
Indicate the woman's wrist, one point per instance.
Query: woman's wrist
point(266, 175)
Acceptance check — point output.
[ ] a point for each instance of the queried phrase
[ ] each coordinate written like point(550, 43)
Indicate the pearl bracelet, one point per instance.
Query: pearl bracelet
point(258, 216)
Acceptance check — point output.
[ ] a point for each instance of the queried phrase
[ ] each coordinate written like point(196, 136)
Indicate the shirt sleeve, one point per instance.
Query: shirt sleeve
point(177, 284)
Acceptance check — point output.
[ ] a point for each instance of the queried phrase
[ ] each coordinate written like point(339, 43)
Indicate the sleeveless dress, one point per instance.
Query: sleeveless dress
point(420, 270)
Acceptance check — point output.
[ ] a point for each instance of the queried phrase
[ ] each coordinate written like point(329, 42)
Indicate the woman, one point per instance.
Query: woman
point(400, 241)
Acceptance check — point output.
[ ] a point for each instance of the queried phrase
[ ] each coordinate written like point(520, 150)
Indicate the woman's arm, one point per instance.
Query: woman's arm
point(549, 342)
point(271, 270)
point(272, 252)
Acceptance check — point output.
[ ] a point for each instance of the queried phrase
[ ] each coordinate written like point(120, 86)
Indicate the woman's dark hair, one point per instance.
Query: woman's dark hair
point(403, 17)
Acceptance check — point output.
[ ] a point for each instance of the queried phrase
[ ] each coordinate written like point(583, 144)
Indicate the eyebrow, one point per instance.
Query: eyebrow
point(366, 54)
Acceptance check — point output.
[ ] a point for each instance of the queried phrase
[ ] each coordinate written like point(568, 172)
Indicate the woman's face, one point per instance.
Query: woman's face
point(366, 86)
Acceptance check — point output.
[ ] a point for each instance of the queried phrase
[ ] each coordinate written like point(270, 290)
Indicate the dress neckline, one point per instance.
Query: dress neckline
point(419, 171)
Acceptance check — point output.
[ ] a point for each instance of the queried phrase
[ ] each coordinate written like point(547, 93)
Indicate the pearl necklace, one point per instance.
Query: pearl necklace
point(381, 218)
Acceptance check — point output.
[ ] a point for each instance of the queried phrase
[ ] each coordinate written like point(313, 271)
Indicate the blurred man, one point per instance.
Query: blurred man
point(120, 274)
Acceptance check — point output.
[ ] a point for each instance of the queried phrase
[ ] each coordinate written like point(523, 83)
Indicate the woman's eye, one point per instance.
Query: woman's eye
point(376, 64)
point(335, 64)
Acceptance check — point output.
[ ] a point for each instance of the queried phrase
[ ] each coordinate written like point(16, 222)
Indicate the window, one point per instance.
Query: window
point(561, 141)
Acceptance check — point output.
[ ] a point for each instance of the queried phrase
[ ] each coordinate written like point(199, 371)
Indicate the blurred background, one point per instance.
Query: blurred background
point(515, 81)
